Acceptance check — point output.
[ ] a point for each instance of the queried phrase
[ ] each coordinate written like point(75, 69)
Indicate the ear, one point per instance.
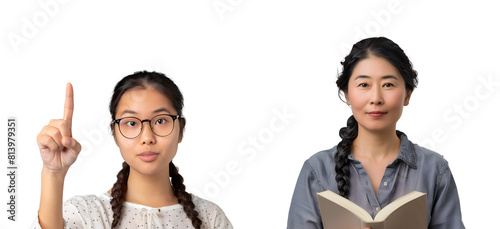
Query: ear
point(407, 98)
point(347, 101)
point(112, 128)
point(182, 124)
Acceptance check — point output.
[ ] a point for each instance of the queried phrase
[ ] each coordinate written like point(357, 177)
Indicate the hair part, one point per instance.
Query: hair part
point(376, 46)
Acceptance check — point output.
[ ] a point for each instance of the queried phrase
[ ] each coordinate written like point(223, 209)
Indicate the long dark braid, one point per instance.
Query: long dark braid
point(376, 46)
point(184, 198)
point(348, 134)
point(118, 193)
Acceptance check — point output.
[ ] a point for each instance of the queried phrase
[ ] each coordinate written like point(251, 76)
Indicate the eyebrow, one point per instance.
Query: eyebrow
point(163, 109)
point(383, 77)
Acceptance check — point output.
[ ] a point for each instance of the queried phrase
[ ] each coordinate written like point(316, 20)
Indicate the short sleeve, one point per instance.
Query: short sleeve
point(36, 224)
point(73, 217)
point(304, 210)
point(75, 213)
point(446, 213)
point(211, 215)
point(219, 219)
point(82, 212)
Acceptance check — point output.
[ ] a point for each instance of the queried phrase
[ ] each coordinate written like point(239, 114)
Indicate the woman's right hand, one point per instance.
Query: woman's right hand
point(58, 148)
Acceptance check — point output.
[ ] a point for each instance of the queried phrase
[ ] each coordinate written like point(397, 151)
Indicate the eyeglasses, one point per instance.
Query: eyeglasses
point(162, 125)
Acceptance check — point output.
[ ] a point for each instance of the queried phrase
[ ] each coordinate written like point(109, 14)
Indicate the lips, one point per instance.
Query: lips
point(148, 156)
point(376, 114)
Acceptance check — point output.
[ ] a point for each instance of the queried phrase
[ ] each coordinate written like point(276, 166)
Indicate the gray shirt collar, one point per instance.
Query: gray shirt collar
point(406, 152)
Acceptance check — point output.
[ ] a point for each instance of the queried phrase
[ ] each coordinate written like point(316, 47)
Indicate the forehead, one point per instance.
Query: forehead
point(143, 101)
point(375, 67)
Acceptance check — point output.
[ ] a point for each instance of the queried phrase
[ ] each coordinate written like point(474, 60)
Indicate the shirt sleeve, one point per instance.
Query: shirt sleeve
point(71, 215)
point(446, 213)
point(36, 224)
point(79, 214)
point(304, 210)
point(217, 217)
point(222, 222)
point(75, 213)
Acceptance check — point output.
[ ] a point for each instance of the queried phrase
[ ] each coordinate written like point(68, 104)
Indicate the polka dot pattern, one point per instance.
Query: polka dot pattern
point(94, 212)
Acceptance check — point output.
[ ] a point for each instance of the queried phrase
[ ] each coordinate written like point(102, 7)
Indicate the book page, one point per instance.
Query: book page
point(340, 213)
point(376, 225)
point(409, 212)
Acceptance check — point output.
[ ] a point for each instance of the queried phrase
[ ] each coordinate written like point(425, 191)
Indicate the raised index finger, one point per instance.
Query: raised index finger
point(68, 104)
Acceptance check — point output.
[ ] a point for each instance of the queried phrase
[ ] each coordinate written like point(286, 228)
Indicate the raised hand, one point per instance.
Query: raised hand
point(58, 148)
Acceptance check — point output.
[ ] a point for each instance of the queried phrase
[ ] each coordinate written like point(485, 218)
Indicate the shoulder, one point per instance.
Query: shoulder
point(98, 202)
point(87, 210)
point(84, 199)
point(320, 169)
point(430, 160)
point(206, 206)
point(80, 199)
point(210, 213)
point(322, 159)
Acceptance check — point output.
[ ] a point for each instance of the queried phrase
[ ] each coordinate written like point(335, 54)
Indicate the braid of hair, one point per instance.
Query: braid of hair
point(348, 134)
point(118, 193)
point(184, 198)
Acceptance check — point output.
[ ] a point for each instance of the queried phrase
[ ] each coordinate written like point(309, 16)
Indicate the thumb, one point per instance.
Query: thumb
point(71, 144)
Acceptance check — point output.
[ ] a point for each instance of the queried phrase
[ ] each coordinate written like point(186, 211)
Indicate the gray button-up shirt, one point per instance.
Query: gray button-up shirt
point(415, 168)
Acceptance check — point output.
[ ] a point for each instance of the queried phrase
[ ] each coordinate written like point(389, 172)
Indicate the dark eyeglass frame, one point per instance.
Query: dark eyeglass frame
point(174, 117)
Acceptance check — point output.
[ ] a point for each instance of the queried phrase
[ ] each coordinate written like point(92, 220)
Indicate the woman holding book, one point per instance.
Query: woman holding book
point(147, 126)
point(374, 164)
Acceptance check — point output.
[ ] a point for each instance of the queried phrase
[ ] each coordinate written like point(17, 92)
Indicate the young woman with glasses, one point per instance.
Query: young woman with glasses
point(374, 164)
point(147, 125)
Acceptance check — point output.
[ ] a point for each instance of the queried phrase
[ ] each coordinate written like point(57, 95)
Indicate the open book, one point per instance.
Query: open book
point(408, 212)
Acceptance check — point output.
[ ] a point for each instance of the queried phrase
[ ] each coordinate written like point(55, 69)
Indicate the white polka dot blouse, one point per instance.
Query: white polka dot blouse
point(94, 212)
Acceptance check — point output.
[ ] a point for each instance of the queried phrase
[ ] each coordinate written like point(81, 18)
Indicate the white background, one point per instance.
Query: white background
point(237, 68)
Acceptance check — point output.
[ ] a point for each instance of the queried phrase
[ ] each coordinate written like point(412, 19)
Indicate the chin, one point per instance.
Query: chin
point(378, 127)
point(149, 171)
point(150, 168)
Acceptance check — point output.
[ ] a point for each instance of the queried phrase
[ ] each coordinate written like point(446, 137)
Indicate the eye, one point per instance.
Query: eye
point(363, 85)
point(131, 123)
point(161, 121)
point(388, 85)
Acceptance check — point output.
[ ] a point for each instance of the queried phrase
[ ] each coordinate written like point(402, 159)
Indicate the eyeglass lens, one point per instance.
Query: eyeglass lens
point(162, 125)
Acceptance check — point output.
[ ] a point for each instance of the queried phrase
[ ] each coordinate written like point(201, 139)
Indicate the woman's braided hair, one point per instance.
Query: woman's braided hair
point(167, 87)
point(375, 46)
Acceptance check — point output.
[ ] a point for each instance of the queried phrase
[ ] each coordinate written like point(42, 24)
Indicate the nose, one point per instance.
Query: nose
point(147, 135)
point(376, 96)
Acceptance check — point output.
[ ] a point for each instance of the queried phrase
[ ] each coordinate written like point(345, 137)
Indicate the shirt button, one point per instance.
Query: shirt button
point(378, 208)
point(385, 183)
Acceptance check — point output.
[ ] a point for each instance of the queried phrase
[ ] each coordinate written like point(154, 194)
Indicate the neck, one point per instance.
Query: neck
point(150, 190)
point(376, 145)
